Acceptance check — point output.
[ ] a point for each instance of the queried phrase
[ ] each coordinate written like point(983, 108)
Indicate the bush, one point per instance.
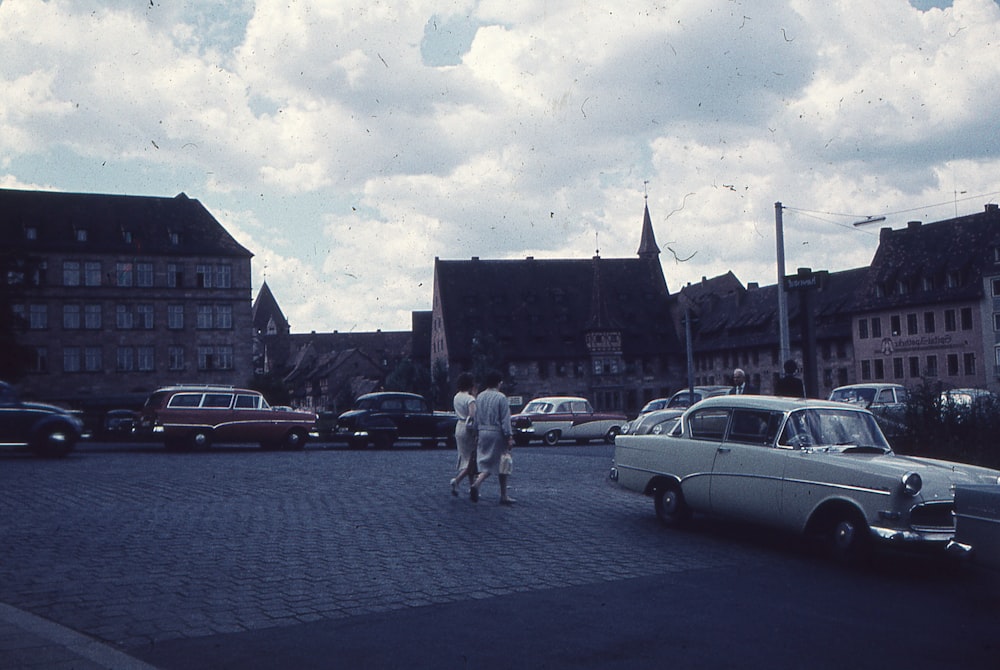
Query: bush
point(950, 431)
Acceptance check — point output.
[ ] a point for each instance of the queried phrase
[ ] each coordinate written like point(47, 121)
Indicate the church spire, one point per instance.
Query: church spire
point(648, 247)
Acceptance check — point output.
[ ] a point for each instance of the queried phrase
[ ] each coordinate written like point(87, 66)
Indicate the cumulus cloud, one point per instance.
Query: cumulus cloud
point(349, 144)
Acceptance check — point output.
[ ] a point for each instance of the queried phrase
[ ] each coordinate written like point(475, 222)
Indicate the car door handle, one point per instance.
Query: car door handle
point(724, 450)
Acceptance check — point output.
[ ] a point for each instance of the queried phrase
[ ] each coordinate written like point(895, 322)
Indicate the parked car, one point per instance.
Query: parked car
point(653, 405)
point(118, 424)
point(189, 417)
point(964, 402)
point(568, 417)
point(47, 430)
point(886, 401)
point(809, 466)
point(380, 419)
point(687, 397)
point(657, 422)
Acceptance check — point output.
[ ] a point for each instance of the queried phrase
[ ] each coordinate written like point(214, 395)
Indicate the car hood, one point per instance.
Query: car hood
point(45, 407)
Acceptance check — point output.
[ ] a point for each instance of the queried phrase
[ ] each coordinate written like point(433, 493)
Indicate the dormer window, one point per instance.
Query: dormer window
point(81, 234)
point(996, 254)
point(927, 283)
point(902, 288)
point(953, 280)
point(175, 238)
point(127, 236)
point(31, 233)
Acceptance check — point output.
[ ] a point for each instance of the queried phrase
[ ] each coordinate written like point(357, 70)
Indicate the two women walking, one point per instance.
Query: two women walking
point(493, 438)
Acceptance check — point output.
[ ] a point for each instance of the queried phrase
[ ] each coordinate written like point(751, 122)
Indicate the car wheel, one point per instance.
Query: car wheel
point(612, 434)
point(295, 439)
point(849, 539)
point(552, 437)
point(671, 509)
point(54, 442)
point(200, 439)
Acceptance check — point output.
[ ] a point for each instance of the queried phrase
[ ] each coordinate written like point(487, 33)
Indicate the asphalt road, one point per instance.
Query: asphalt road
point(130, 556)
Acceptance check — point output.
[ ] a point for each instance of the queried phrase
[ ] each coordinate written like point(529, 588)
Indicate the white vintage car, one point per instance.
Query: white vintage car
point(808, 466)
point(567, 418)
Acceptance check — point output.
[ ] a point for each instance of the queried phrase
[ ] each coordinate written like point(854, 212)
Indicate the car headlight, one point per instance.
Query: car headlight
point(912, 483)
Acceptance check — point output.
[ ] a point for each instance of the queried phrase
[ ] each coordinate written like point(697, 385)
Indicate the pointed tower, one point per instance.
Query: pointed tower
point(647, 245)
point(604, 341)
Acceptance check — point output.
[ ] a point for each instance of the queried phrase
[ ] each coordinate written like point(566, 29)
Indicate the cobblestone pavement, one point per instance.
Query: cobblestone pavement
point(131, 547)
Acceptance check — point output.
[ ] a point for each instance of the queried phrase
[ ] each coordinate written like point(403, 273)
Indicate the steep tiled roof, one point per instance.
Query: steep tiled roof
point(749, 319)
point(934, 262)
point(539, 309)
point(115, 224)
point(392, 345)
point(265, 308)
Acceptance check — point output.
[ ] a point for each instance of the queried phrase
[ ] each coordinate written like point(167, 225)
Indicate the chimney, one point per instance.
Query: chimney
point(912, 225)
point(752, 286)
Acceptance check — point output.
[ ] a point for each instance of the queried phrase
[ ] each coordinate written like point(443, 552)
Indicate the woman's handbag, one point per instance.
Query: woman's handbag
point(506, 463)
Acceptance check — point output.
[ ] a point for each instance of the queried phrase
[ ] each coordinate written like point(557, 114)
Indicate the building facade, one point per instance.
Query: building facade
point(929, 309)
point(114, 296)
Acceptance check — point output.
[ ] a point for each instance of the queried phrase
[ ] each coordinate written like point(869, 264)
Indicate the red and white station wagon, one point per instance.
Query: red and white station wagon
point(568, 418)
point(198, 416)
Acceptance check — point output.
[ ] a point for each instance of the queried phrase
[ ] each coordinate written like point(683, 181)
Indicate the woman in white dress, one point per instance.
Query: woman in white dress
point(465, 433)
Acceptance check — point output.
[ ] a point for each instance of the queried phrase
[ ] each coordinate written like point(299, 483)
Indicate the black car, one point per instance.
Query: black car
point(379, 419)
point(45, 429)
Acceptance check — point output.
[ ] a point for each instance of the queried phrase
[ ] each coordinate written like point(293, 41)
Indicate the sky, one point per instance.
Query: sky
point(348, 144)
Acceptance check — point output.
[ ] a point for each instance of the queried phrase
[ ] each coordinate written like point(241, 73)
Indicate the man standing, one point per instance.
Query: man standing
point(788, 385)
point(740, 384)
point(495, 436)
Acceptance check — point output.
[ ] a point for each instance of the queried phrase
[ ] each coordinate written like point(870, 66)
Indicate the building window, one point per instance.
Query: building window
point(895, 324)
point(175, 358)
point(928, 322)
point(145, 355)
point(71, 317)
point(911, 324)
point(71, 359)
point(81, 234)
point(224, 357)
point(952, 365)
point(175, 317)
point(223, 316)
point(145, 314)
point(175, 275)
point(996, 286)
point(144, 274)
point(123, 274)
point(92, 273)
point(92, 317)
point(932, 366)
point(124, 319)
point(175, 238)
point(203, 276)
point(966, 317)
point(125, 359)
point(863, 329)
point(897, 368)
point(71, 273)
point(969, 363)
point(914, 367)
point(876, 327)
point(40, 360)
point(31, 233)
point(953, 279)
point(879, 368)
point(866, 370)
point(93, 359)
point(927, 283)
point(950, 321)
point(204, 316)
point(38, 317)
point(206, 358)
point(223, 276)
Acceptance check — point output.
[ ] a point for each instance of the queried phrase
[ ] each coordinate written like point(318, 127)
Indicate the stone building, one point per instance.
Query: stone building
point(114, 296)
point(598, 327)
point(929, 308)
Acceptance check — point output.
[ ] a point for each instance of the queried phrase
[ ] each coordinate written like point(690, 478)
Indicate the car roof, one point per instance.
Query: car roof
point(394, 394)
point(767, 402)
point(871, 385)
point(557, 398)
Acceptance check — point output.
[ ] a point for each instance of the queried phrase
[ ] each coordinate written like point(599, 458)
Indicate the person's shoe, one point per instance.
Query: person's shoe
point(474, 494)
point(454, 488)
point(508, 501)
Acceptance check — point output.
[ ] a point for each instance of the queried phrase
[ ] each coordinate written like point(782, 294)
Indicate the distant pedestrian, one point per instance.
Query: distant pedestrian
point(495, 437)
point(741, 385)
point(789, 385)
point(465, 431)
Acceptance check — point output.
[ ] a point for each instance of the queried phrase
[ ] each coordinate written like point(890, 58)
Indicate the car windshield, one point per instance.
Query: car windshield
point(833, 428)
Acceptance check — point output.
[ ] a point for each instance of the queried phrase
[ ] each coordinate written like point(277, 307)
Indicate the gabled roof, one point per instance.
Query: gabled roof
point(391, 345)
point(114, 224)
point(539, 309)
point(935, 262)
point(749, 319)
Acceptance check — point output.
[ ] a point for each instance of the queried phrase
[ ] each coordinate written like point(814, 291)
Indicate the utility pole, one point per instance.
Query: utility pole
point(784, 348)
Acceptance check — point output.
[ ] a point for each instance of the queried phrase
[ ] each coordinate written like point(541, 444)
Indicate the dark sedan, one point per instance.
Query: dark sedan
point(45, 429)
point(380, 419)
